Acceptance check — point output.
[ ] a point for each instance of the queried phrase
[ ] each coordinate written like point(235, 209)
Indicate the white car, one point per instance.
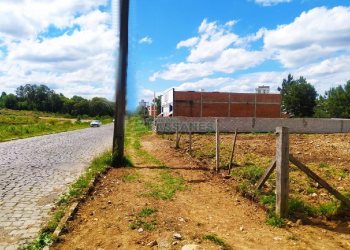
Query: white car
point(95, 123)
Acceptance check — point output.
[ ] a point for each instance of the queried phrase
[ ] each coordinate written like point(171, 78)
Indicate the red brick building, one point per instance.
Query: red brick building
point(220, 104)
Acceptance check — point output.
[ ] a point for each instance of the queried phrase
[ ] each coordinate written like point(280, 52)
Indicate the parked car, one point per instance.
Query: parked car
point(95, 123)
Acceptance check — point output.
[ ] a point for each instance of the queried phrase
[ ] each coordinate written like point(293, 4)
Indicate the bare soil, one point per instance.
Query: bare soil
point(209, 204)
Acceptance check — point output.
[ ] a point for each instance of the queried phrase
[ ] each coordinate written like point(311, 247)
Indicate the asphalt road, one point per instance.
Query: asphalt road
point(34, 171)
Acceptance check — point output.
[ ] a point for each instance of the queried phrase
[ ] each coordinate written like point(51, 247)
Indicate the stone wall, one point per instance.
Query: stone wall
point(245, 124)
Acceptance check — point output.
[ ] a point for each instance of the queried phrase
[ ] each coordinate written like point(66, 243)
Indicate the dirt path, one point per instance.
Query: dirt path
point(208, 205)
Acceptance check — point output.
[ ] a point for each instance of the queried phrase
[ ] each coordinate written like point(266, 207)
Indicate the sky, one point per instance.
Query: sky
point(222, 45)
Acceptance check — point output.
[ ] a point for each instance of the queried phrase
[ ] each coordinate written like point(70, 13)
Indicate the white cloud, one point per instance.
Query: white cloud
point(231, 23)
point(314, 35)
point(146, 40)
point(214, 50)
point(271, 2)
point(183, 71)
point(212, 42)
point(27, 18)
point(92, 20)
point(188, 43)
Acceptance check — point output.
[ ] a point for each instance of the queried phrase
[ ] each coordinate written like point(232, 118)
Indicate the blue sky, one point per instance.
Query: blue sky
point(221, 45)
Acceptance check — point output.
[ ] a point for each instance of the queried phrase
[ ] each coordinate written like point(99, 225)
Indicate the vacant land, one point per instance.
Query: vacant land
point(170, 199)
point(325, 154)
point(16, 124)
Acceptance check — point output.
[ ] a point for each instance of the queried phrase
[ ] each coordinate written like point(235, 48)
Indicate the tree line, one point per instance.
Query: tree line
point(300, 99)
point(42, 98)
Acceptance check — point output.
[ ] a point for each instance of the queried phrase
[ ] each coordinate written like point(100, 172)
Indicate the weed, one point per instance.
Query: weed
point(268, 200)
point(147, 211)
point(216, 240)
point(148, 226)
point(328, 209)
point(142, 220)
point(43, 240)
point(275, 221)
point(297, 208)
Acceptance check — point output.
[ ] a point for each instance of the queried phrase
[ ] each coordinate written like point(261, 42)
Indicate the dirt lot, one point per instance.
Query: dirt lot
point(327, 155)
point(205, 209)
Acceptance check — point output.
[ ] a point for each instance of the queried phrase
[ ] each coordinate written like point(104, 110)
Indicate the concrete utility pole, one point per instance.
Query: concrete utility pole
point(121, 78)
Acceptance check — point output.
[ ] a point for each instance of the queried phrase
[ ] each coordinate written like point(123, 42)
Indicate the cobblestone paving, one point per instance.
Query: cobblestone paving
point(34, 171)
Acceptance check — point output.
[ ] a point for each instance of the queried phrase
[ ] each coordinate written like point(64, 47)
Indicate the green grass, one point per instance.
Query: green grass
point(145, 219)
point(131, 177)
point(251, 172)
point(147, 211)
point(216, 240)
point(275, 221)
point(329, 209)
point(78, 188)
point(135, 129)
point(148, 226)
point(43, 240)
point(15, 124)
point(166, 187)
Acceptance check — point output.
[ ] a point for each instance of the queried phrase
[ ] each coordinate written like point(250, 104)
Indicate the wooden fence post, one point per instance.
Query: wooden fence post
point(282, 171)
point(177, 142)
point(232, 152)
point(217, 145)
point(190, 140)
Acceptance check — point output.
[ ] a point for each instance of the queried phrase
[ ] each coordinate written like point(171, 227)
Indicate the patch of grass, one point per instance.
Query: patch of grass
point(251, 172)
point(216, 240)
point(268, 200)
point(298, 208)
point(145, 219)
point(329, 209)
point(131, 177)
point(147, 211)
point(167, 186)
point(53, 223)
point(148, 226)
point(311, 190)
point(135, 129)
point(275, 221)
point(42, 240)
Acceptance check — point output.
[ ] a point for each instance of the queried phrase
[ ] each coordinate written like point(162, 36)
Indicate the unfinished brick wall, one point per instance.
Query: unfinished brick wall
point(216, 104)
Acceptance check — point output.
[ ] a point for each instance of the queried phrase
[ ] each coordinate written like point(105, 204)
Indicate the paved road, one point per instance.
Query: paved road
point(34, 171)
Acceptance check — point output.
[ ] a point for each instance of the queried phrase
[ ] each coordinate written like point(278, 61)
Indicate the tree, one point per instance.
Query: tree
point(100, 107)
point(158, 103)
point(42, 98)
point(321, 109)
point(10, 101)
point(298, 97)
point(2, 99)
point(338, 101)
